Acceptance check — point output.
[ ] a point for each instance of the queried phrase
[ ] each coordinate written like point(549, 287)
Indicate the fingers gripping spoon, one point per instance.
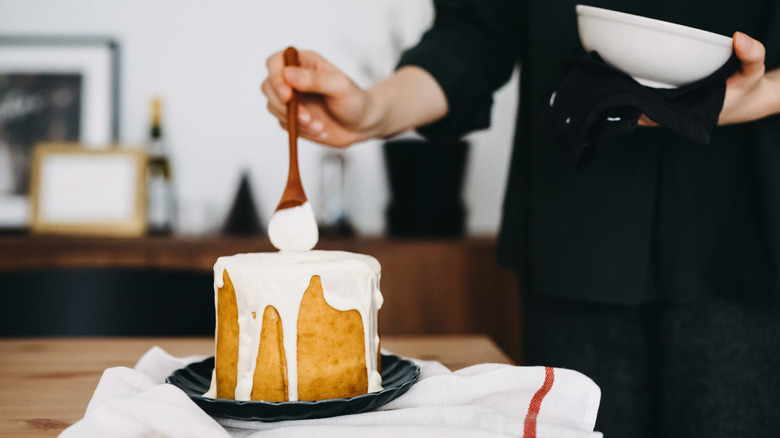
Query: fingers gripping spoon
point(293, 226)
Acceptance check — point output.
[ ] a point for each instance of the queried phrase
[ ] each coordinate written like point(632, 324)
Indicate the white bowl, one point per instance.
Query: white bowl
point(655, 53)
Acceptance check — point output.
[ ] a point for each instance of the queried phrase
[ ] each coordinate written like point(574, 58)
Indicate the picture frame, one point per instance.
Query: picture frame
point(52, 89)
point(86, 191)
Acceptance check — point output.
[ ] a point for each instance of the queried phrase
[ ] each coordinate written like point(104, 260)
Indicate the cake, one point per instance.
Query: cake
point(296, 326)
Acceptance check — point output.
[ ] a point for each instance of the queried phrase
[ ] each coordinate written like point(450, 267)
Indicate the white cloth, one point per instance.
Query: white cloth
point(488, 400)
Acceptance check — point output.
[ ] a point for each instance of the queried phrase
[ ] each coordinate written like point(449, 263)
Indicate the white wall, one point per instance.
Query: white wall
point(206, 59)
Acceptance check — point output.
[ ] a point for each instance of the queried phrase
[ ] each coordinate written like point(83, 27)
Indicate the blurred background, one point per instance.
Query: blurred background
point(181, 81)
point(205, 62)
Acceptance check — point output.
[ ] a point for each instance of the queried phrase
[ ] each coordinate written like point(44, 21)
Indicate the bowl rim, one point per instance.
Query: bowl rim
point(654, 24)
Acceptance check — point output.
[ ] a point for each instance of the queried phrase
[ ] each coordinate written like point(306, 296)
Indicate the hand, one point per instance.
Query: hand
point(751, 93)
point(333, 109)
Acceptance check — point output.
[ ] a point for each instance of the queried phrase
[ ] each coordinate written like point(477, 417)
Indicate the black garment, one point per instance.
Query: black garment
point(656, 217)
point(671, 370)
point(596, 101)
point(655, 221)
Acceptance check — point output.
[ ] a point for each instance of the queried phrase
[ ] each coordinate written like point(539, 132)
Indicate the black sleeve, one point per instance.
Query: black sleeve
point(471, 51)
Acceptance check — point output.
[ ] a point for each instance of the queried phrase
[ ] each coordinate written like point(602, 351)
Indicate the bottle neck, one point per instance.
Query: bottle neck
point(156, 143)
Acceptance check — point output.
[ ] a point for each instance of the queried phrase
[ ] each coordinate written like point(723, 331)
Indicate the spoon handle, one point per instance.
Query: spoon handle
point(294, 195)
point(291, 60)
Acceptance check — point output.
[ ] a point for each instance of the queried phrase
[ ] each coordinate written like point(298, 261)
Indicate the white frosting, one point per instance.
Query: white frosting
point(294, 229)
point(349, 281)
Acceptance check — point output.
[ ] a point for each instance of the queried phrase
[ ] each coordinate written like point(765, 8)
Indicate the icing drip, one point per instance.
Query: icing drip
point(349, 281)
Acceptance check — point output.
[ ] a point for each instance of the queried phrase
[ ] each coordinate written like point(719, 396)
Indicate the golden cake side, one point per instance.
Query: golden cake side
point(306, 326)
point(331, 349)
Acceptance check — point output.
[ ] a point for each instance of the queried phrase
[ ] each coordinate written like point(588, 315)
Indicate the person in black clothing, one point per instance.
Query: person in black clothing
point(654, 270)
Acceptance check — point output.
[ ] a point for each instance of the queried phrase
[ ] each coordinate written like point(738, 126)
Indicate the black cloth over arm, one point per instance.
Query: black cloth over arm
point(596, 101)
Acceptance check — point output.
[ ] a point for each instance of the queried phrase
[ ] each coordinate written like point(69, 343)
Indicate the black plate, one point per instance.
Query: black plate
point(194, 379)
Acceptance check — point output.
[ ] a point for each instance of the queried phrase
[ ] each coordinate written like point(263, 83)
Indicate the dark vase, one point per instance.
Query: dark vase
point(243, 218)
point(426, 181)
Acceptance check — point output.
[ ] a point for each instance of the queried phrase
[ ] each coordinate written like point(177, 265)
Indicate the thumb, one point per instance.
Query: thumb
point(329, 83)
point(751, 53)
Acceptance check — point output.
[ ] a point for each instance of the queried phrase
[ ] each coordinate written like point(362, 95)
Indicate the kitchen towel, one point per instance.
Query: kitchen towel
point(596, 101)
point(487, 400)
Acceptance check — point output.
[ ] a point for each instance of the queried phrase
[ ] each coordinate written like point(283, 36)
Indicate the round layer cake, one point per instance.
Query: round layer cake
point(296, 326)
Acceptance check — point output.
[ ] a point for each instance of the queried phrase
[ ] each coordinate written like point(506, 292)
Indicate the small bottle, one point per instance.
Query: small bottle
point(334, 221)
point(161, 204)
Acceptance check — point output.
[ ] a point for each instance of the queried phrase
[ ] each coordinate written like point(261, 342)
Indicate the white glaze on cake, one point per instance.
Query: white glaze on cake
point(349, 281)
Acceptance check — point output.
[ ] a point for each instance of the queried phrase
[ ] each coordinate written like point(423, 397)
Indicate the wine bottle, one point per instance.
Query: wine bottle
point(161, 205)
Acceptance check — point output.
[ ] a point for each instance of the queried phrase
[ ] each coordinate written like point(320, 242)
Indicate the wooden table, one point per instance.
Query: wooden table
point(46, 383)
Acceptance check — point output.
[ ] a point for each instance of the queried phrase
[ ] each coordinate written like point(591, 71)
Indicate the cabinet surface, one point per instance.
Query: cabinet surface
point(431, 286)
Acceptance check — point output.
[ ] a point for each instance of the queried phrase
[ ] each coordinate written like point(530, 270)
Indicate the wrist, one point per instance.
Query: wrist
point(408, 99)
point(375, 116)
point(383, 115)
point(772, 87)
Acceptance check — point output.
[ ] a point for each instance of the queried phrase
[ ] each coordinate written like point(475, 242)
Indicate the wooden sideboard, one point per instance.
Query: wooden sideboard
point(431, 286)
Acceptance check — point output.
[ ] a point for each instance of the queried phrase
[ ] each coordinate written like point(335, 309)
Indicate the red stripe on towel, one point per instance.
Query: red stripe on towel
point(529, 431)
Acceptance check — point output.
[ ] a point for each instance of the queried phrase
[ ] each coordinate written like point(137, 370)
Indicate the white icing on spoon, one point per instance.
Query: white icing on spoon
point(294, 228)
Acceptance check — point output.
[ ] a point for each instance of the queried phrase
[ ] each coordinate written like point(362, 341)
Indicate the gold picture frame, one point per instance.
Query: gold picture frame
point(84, 191)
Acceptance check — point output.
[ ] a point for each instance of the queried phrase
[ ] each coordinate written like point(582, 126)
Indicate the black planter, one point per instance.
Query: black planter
point(426, 181)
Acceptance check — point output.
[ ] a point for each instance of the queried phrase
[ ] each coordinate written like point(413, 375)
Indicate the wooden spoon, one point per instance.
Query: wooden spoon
point(293, 195)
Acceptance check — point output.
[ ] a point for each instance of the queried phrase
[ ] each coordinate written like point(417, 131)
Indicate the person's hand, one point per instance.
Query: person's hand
point(751, 93)
point(333, 109)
